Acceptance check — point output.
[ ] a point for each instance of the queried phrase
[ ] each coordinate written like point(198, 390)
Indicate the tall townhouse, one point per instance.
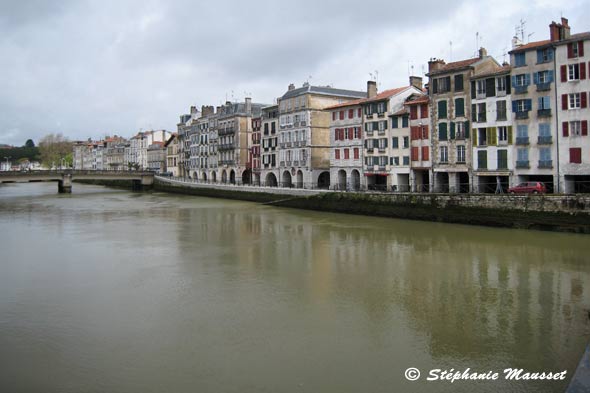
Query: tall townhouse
point(185, 128)
point(269, 144)
point(572, 58)
point(200, 145)
point(533, 112)
point(212, 144)
point(254, 156)
point(420, 143)
point(450, 104)
point(234, 130)
point(493, 148)
point(172, 155)
point(346, 143)
point(387, 137)
point(304, 135)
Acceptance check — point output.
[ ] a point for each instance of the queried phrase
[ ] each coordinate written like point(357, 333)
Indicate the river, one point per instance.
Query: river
point(107, 290)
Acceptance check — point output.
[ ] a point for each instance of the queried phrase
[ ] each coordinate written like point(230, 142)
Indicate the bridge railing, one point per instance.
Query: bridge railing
point(61, 172)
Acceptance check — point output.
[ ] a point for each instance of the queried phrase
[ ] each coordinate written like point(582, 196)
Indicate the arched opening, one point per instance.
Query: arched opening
point(299, 179)
point(204, 176)
point(324, 180)
point(232, 177)
point(355, 180)
point(271, 180)
point(256, 179)
point(214, 177)
point(224, 176)
point(195, 176)
point(286, 180)
point(247, 176)
point(341, 180)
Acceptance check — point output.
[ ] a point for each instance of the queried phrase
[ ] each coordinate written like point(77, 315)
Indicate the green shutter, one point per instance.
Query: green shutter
point(442, 109)
point(452, 133)
point(442, 131)
point(473, 113)
point(474, 136)
point(459, 107)
point(509, 135)
point(494, 140)
point(466, 128)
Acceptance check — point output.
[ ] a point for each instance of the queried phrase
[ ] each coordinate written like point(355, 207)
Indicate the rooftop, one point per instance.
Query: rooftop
point(323, 90)
point(381, 96)
point(456, 65)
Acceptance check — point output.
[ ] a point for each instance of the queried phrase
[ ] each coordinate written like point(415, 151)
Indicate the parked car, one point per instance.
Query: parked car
point(529, 187)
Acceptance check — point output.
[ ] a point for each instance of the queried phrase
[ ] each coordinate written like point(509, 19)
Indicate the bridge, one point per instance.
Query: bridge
point(65, 177)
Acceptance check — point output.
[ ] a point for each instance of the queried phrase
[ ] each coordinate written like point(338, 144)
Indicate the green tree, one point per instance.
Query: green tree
point(53, 148)
point(29, 143)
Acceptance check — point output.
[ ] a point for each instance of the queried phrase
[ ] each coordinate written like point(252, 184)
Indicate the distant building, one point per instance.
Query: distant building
point(269, 147)
point(171, 147)
point(156, 157)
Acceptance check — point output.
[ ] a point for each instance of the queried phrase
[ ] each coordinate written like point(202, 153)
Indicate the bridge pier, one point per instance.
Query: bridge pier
point(64, 186)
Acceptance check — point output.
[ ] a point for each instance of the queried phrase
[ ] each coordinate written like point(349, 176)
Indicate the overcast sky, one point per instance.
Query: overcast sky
point(91, 68)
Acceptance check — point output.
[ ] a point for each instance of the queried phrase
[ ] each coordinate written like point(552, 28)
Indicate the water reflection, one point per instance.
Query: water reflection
point(152, 292)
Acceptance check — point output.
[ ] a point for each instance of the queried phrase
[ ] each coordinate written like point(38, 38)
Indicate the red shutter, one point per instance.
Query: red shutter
point(582, 70)
point(581, 49)
point(575, 155)
point(566, 130)
point(564, 73)
point(583, 102)
point(423, 111)
point(356, 153)
point(346, 154)
point(350, 133)
point(584, 127)
point(341, 115)
point(564, 102)
point(414, 154)
point(350, 113)
point(359, 112)
point(333, 115)
point(424, 132)
point(413, 112)
point(570, 50)
point(337, 154)
point(425, 153)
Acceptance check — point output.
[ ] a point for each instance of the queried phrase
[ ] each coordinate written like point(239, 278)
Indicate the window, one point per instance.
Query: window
point(444, 154)
point(406, 160)
point(405, 121)
point(519, 59)
point(575, 155)
point(482, 139)
point(544, 103)
point(575, 49)
point(502, 135)
point(573, 72)
point(350, 113)
point(442, 109)
point(341, 115)
point(423, 111)
point(545, 154)
point(544, 55)
point(394, 142)
point(346, 154)
point(442, 85)
point(460, 134)
point(521, 80)
point(461, 154)
point(337, 154)
point(574, 101)
point(415, 153)
point(481, 87)
point(394, 122)
point(501, 110)
point(382, 143)
point(406, 142)
point(501, 84)
point(522, 155)
point(459, 82)
point(575, 128)
point(522, 131)
point(356, 153)
point(381, 107)
point(459, 107)
point(521, 105)
point(544, 77)
point(481, 112)
point(357, 133)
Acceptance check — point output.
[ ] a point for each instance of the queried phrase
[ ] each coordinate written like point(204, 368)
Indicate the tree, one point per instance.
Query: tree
point(53, 148)
point(29, 143)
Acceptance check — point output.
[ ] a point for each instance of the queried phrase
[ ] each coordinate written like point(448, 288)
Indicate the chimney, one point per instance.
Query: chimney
point(248, 105)
point(371, 89)
point(565, 29)
point(218, 110)
point(207, 110)
point(416, 81)
point(553, 31)
point(435, 64)
point(291, 87)
point(193, 110)
point(482, 53)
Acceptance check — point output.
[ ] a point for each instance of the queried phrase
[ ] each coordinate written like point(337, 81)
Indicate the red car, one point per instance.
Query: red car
point(529, 187)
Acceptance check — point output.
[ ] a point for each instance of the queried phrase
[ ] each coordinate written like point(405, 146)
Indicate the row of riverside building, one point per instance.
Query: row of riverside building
point(476, 126)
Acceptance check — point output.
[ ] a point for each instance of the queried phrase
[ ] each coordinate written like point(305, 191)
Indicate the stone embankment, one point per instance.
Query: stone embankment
point(564, 213)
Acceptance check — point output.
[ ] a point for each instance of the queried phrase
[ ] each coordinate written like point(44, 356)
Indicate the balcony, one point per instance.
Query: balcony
point(522, 140)
point(282, 163)
point(296, 163)
point(544, 86)
point(225, 131)
point(226, 146)
point(381, 168)
point(226, 162)
point(520, 89)
point(522, 164)
point(545, 164)
point(522, 115)
point(545, 140)
point(544, 113)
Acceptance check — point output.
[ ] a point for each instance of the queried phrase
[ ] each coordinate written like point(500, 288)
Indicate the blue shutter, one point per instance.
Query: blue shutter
point(514, 106)
point(539, 56)
point(528, 104)
point(536, 77)
point(514, 80)
point(550, 75)
point(527, 79)
point(540, 103)
point(550, 53)
point(394, 122)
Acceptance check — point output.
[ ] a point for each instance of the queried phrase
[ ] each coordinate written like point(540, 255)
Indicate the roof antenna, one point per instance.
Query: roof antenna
point(451, 49)
point(476, 42)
